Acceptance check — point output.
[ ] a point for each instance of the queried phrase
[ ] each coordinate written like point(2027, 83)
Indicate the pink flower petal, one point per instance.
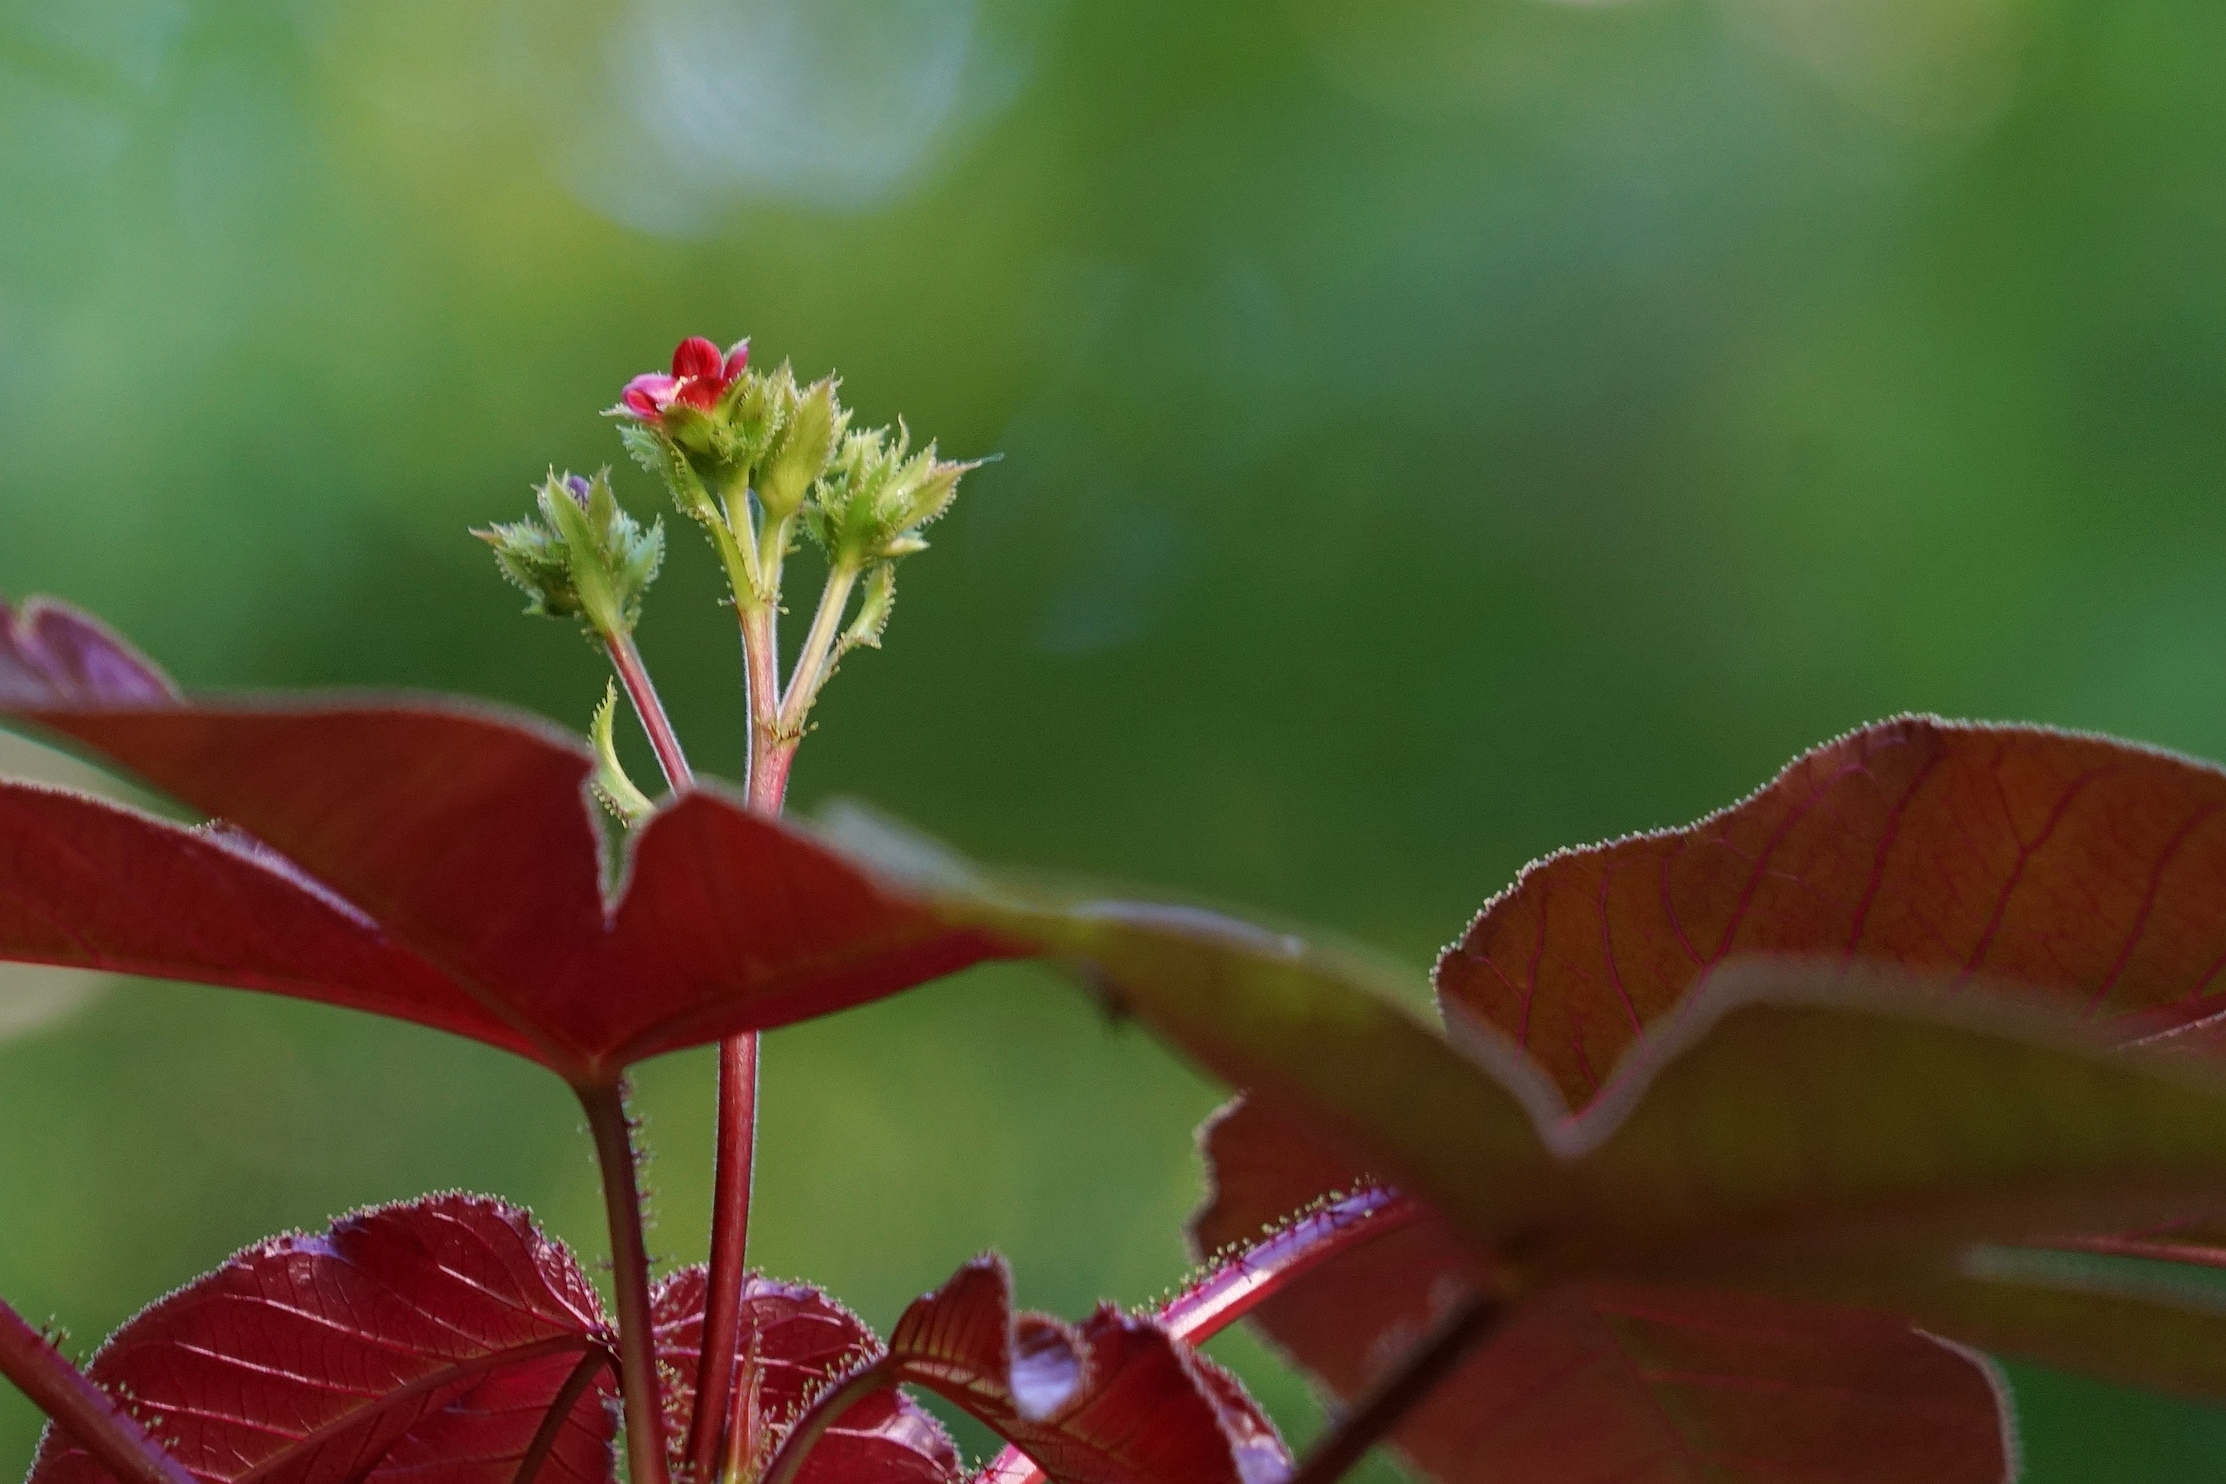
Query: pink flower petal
point(738, 359)
point(648, 395)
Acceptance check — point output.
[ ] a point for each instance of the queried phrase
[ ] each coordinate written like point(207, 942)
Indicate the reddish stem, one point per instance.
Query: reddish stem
point(84, 1411)
point(634, 675)
point(1244, 1283)
point(736, 1148)
point(637, 1344)
point(824, 1413)
point(769, 777)
point(1407, 1386)
point(730, 1245)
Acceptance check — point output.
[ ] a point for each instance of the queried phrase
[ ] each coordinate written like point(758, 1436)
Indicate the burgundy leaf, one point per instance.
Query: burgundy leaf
point(484, 1436)
point(793, 1342)
point(424, 1341)
point(466, 836)
point(53, 655)
point(93, 886)
point(1114, 1400)
point(2079, 865)
point(1605, 1381)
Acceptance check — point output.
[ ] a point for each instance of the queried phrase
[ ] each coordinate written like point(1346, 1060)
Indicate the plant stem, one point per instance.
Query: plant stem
point(637, 1345)
point(735, 1154)
point(772, 551)
point(1243, 1284)
point(777, 717)
point(819, 644)
point(1400, 1391)
point(761, 658)
point(824, 1413)
point(80, 1408)
point(735, 1149)
point(634, 675)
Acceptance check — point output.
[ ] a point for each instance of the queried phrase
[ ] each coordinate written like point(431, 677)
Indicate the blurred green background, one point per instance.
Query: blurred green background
point(1434, 432)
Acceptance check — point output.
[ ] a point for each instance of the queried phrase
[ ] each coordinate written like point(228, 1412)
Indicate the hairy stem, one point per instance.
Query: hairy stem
point(761, 658)
point(1406, 1386)
point(819, 645)
point(1244, 1283)
point(637, 1345)
point(824, 1413)
point(735, 1155)
point(80, 1408)
point(634, 675)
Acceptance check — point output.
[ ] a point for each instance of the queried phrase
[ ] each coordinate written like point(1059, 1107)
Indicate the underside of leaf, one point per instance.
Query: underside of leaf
point(1795, 1131)
point(2075, 866)
point(1600, 1382)
point(793, 1342)
point(423, 1343)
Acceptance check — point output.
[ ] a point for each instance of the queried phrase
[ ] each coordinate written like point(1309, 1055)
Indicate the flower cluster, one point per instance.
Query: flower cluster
point(755, 455)
point(755, 458)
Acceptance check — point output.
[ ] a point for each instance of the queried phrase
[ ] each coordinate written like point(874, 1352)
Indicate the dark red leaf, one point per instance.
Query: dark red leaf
point(1605, 1381)
point(1114, 1400)
point(467, 837)
point(423, 1341)
point(484, 1435)
point(2074, 864)
point(792, 1343)
point(94, 886)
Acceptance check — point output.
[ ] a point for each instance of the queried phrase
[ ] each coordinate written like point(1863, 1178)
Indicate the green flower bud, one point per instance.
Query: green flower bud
point(876, 495)
point(802, 449)
point(585, 557)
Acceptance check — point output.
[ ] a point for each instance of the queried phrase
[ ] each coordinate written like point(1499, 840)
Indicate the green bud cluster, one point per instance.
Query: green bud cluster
point(583, 558)
point(773, 455)
point(875, 495)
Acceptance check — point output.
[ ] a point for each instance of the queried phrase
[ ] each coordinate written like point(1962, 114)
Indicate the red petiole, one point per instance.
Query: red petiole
point(82, 1409)
point(626, 659)
point(637, 1346)
point(735, 1154)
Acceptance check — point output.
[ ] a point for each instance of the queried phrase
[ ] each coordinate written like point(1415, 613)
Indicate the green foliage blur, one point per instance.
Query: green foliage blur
point(1433, 432)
